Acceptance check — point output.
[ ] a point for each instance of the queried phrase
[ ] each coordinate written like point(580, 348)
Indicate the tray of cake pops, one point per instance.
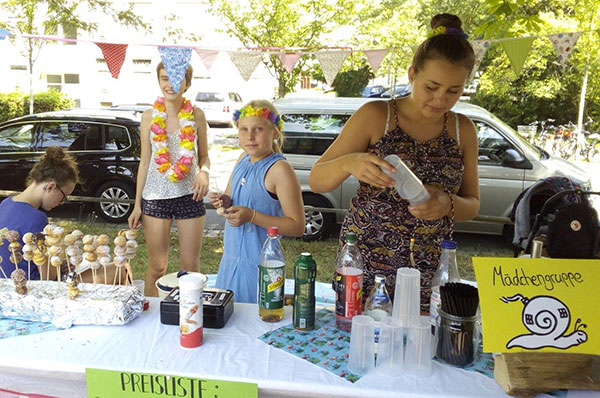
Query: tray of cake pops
point(68, 300)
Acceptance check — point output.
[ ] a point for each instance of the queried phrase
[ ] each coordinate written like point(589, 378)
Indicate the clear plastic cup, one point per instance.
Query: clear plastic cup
point(408, 185)
point(407, 297)
point(417, 361)
point(140, 284)
point(390, 352)
point(361, 358)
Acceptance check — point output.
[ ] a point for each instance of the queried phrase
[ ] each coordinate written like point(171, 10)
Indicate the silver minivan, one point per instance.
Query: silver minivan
point(508, 164)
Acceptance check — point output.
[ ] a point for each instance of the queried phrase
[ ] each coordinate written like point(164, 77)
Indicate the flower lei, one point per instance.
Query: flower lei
point(181, 168)
point(250, 110)
point(443, 30)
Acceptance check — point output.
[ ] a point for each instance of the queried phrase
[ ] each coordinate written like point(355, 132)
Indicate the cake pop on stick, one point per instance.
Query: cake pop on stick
point(28, 249)
point(102, 250)
point(130, 250)
point(14, 247)
point(119, 250)
point(18, 278)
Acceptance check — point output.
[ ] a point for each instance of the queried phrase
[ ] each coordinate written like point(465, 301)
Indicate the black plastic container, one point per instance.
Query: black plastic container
point(217, 308)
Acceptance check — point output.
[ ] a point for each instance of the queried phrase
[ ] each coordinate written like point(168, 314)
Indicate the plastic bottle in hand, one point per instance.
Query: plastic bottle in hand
point(348, 283)
point(271, 278)
point(378, 304)
point(447, 272)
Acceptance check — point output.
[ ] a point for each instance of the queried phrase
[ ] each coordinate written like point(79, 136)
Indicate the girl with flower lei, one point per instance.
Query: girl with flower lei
point(172, 178)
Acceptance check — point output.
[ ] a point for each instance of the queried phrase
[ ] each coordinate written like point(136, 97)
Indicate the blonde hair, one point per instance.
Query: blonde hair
point(261, 103)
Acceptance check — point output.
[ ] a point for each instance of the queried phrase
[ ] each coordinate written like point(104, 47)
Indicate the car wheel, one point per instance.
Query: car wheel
point(317, 224)
point(110, 211)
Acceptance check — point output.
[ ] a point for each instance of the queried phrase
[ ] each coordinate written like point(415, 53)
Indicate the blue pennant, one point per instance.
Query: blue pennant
point(175, 61)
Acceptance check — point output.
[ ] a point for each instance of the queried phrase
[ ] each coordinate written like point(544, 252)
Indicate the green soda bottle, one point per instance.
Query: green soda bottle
point(305, 273)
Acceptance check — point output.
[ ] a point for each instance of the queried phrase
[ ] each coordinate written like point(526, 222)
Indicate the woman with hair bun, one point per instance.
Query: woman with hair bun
point(438, 145)
point(49, 183)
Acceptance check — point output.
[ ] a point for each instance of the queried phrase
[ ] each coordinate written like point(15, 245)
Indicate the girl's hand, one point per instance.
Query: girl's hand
point(438, 205)
point(238, 215)
point(135, 218)
point(200, 186)
point(219, 200)
point(368, 168)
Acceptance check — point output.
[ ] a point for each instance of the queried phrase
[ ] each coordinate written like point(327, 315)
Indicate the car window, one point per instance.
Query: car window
point(311, 134)
point(210, 97)
point(117, 138)
point(16, 138)
point(492, 144)
point(73, 136)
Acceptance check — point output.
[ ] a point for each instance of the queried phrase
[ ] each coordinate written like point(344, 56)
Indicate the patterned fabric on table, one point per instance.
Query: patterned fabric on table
point(380, 217)
point(326, 346)
point(15, 327)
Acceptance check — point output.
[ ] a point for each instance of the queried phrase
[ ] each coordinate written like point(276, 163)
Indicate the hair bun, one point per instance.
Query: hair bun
point(55, 154)
point(446, 20)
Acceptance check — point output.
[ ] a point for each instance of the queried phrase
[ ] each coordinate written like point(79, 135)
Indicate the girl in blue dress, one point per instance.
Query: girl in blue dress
point(263, 191)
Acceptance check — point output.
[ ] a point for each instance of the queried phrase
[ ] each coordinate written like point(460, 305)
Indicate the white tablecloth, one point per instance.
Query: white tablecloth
point(54, 363)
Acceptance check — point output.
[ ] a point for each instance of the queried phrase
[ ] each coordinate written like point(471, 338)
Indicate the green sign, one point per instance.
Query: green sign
point(119, 384)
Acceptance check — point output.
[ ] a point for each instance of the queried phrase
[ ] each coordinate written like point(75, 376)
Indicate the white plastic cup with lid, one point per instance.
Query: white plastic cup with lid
point(190, 311)
point(408, 185)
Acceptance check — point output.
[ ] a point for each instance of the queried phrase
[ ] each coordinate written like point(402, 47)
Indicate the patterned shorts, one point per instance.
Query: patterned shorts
point(180, 208)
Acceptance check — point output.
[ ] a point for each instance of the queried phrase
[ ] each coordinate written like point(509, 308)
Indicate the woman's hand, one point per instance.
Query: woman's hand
point(368, 168)
point(200, 186)
point(238, 215)
point(438, 205)
point(135, 218)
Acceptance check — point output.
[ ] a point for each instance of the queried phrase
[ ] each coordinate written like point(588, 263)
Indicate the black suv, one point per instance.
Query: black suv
point(105, 143)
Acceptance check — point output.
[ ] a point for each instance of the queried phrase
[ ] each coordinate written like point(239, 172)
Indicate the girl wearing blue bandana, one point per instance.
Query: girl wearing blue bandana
point(263, 191)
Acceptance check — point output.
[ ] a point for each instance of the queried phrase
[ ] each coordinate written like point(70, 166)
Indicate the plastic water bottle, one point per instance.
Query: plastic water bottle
point(348, 283)
point(378, 305)
point(271, 278)
point(447, 272)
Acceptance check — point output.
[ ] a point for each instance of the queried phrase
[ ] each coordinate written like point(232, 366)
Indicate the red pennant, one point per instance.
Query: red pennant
point(114, 55)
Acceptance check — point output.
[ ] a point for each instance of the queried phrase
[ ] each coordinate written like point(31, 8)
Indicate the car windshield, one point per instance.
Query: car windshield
point(534, 149)
point(210, 97)
point(320, 123)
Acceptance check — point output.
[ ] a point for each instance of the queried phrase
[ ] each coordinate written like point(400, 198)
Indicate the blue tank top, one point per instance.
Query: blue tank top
point(20, 217)
point(238, 270)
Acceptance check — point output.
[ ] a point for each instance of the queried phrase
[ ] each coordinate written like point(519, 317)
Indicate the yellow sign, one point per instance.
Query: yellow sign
point(120, 384)
point(539, 304)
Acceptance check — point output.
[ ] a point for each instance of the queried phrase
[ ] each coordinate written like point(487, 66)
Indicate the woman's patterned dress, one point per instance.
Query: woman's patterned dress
point(380, 217)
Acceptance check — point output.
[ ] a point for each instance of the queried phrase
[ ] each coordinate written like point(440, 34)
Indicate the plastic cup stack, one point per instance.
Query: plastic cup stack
point(406, 310)
point(361, 358)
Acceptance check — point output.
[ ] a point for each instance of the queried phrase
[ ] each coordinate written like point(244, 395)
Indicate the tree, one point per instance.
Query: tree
point(44, 17)
point(277, 24)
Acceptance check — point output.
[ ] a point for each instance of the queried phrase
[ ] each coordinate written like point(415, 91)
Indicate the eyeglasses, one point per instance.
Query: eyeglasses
point(64, 199)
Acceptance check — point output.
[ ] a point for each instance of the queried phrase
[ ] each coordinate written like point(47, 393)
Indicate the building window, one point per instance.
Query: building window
point(54, 82)
point(71, 78)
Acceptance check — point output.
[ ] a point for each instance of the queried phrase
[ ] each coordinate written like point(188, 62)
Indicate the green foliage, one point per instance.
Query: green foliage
point(349, 82)
point(48, 101)
point(11, 105)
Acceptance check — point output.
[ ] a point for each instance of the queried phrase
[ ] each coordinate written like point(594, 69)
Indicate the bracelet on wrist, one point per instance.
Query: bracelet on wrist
point(253, 216)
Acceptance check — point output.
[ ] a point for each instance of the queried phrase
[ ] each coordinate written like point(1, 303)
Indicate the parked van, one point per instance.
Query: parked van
point(507, 163)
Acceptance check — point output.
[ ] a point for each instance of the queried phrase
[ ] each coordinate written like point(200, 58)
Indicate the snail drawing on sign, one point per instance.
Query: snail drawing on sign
point(548, 319)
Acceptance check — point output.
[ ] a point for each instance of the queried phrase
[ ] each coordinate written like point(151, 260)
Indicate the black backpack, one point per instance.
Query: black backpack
point(571, 229)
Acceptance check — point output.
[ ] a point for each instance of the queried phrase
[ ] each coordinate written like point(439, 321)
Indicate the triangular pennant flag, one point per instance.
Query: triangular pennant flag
point(176, 61)
point(207, 56)
point(479, 47)
point(331, 62)
point(289, 60)
point(114, 55)
point(4, 33)
point(517, 51)
point(245, 62)
point(375, 57)
point(563, 44)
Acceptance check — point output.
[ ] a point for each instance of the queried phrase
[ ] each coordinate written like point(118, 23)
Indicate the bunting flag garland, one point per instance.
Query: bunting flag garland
point(245, 62)
point(207, 57)
point(563, 44)
point(114, 55)
point(331, 62)
point(479, 47)
point(375, 57)
point(517, 51)
point(4, 33)
point(289, 60)
point(176, 61)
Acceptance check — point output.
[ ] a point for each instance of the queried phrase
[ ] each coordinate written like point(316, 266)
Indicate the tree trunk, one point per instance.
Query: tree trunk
point(30, 78)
